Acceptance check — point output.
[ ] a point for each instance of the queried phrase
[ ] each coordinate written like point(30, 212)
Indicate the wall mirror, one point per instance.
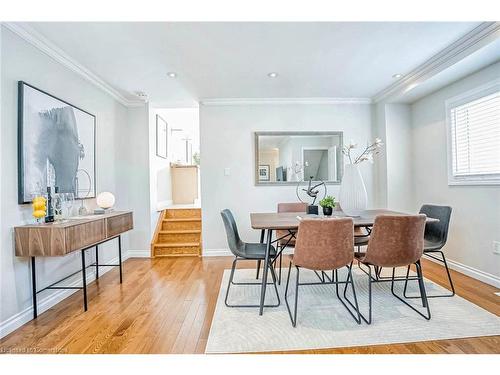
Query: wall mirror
point(285, 158)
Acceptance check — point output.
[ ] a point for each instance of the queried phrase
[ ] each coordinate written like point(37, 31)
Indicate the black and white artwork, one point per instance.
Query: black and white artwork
point(161, 137)
point(264, 172)
point(56, 145)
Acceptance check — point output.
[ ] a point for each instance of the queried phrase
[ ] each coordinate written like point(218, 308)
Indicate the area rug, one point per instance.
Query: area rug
point(323, 321)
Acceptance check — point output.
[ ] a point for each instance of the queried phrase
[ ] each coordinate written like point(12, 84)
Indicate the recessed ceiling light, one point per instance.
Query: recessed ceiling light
point(272, 75)
point(397, 76)
point(172, 74)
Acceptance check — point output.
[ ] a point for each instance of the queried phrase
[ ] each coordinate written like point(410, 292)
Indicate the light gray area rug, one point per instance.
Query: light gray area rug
point(323, 321)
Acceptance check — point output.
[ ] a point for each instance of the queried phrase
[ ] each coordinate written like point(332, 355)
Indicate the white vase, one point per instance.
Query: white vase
point(353, 198)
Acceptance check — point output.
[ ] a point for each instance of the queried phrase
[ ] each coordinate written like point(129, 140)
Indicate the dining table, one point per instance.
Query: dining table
point(289, 221)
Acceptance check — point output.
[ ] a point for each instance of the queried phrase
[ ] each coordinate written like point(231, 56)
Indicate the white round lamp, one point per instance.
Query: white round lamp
point(105, 200)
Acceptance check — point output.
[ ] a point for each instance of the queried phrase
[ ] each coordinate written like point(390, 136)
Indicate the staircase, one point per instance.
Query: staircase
point(178, 233)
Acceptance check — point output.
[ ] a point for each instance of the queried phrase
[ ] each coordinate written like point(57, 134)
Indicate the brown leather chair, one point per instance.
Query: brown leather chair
point(285, 237)
point(323, 245)
point(395, 241)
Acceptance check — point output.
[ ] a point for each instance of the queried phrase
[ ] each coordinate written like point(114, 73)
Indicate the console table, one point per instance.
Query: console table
point(74, 234)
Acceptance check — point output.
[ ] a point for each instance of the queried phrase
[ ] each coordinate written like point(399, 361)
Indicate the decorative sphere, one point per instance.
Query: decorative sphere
point(105, 200)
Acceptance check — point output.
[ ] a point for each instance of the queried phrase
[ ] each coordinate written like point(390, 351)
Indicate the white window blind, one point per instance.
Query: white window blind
point(475, 139)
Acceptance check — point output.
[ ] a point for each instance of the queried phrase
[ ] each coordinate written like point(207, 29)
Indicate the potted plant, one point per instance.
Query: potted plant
point(328, 203)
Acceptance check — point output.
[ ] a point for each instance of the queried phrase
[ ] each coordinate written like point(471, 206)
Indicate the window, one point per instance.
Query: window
point(474, 137)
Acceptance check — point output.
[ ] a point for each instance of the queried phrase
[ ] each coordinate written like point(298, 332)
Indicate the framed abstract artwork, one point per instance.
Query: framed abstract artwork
point(56, 145)
point(161, 137)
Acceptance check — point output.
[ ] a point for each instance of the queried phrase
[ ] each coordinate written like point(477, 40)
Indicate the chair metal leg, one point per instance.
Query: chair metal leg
point(423, 295)
point(349, 277)
point(443, 260)
point(294, 317)
point(355, 305)
point(258, 269)
point(279, 276)
point(231, 282)
point(449, 275)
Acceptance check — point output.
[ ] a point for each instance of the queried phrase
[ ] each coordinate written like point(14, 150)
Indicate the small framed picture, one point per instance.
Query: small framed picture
point(161, 137)
point(264, 172)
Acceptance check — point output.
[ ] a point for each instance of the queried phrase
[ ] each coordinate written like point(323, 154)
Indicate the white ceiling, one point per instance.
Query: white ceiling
point(231, 60)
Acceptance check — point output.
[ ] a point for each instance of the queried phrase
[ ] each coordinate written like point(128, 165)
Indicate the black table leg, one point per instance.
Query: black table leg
point(33, 279)
point(97, 261)
point(264, 271)
point(84, 279)
point(120, 257)
point(262, 233)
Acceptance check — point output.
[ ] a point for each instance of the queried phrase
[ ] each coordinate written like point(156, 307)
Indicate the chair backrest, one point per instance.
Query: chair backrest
point(396, 240)
point(324, 244)
point(437, 232)
point(292, 207)
point(233, 238)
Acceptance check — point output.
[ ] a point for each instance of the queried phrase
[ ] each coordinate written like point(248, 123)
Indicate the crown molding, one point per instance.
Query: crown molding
point(259, 101)
point(458, 50)
point(37, 40)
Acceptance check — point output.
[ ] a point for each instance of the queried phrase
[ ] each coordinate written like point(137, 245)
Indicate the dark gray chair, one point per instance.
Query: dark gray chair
point(245, 251)
point(435, 237)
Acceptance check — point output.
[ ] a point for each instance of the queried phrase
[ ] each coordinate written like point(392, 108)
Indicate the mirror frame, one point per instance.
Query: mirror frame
point(257, 134)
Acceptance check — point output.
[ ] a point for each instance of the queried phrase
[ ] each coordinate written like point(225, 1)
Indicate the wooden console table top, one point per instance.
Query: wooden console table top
point(61, 238)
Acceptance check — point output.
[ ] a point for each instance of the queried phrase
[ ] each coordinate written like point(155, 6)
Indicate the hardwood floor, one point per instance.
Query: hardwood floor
point(165, 305)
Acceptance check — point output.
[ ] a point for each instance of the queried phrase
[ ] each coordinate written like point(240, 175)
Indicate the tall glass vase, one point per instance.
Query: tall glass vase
point(353, 197)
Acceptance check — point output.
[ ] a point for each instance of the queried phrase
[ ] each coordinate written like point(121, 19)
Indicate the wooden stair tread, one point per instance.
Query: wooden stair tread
point(178, 244)
point(184, 219)
point(180, 231)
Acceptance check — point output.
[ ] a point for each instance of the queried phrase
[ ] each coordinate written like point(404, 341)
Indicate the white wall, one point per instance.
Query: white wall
point(476, 209)
point(115, 164)
point(398, 148)
point(227, 141)
point(380, 168)
point(135, 156)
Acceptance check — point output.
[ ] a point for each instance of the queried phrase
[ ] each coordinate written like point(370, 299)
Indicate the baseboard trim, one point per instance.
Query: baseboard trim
point(227, 252)
point(482, 276)
point(139, 253)
point(26, 315)
point(216, 253)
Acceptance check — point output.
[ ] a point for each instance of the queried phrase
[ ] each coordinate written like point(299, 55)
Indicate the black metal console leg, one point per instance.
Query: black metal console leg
point(97, 261)
point(120, 257)
point(84, 279)
point(33, 279)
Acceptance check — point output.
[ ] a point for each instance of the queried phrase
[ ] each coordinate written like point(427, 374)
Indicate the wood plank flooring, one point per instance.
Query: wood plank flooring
point(165, 305)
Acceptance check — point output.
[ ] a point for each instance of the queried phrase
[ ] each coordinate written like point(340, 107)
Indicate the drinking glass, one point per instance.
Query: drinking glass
point(69, 200)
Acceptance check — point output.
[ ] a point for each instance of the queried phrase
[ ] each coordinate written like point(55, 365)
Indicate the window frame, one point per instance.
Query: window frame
point(466, 97)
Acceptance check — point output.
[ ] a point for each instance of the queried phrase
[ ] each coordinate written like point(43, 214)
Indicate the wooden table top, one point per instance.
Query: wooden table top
point(290, 220)
point(75, 220)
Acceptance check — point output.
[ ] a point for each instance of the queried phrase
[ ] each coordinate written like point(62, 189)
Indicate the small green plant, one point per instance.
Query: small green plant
point(327, 201)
